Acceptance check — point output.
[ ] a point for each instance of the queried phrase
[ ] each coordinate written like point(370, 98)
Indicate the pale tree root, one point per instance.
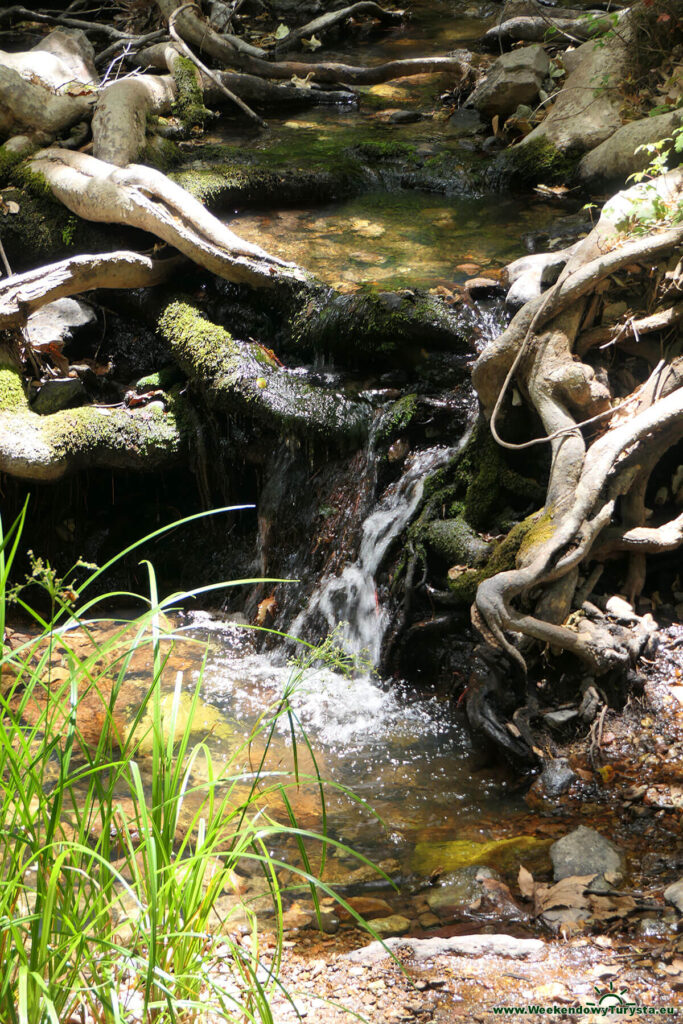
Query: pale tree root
point(608, 471)
point(138, 196)
point(23, 294)
point(595, 507)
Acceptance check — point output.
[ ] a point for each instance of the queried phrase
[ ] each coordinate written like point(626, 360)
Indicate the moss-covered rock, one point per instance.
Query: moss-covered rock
point(396, 418)
point(463, 587)
point(377, 328)
point(455, 542)
point(189, 106)
point(503, 855)
point(530, 163)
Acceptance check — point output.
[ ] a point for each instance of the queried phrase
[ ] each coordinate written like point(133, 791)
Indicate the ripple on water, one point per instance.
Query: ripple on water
point(403, 753)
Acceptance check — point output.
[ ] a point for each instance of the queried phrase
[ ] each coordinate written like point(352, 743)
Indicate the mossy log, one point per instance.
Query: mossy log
point(242, 378)
point(45, 448)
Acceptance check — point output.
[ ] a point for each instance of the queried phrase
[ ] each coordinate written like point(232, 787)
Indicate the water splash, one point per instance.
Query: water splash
point(350, 601)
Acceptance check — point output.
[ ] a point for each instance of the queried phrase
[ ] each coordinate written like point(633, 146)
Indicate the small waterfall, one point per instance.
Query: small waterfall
point(350, 600)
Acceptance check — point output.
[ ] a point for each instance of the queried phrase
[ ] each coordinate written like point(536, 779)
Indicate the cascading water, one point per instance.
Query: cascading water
point(349, 602)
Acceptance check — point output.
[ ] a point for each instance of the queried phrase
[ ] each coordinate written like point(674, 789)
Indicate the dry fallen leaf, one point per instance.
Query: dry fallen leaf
point(525, 881)
point(569, 893)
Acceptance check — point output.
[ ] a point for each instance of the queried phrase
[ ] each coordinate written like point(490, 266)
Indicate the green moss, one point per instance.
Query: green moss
point(32, 182)
point(396, 418)
point(8, 162)
point(160, 153)
point(377, 151)
point(455, 542)
point(12, 394)
point(541, 529)
point(163, 379)
point(503, 558)
point(83, 431)
point(504, 855)
point(370, 327)
point(189, 106)
point(209, 349)
point(531, 162)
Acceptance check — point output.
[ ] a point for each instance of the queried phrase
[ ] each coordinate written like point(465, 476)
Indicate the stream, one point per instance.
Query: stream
point(404, 752)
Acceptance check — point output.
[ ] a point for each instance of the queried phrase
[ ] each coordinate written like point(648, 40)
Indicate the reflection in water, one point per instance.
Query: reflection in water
point(397, 240)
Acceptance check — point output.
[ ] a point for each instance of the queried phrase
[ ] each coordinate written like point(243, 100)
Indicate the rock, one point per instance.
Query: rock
point(529, 275)
point(54, 323)
point(297, 917)
point(461, 945)
point(429, 920)
point(585, 852)
point(58, 393)
point(574, 126)
point(465, 122)
point(482, 287)
point(456, 542)
point(610, 163)
point(558, 719)
point(504, 855)
point(513, 79)
point(366, 906)
point(556, 777)
point(673, 894)
point(394, 925)
point(405, 117)
point(327, 922)
point(458, 890)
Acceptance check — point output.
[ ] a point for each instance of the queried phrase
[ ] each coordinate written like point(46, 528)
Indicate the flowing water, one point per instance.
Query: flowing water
point(350, 600)
point(405, 754)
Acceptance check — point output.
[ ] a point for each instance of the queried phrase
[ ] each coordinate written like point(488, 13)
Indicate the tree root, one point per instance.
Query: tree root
point(141, 197)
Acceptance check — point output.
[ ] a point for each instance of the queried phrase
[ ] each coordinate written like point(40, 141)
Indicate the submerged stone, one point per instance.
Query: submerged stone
point(504, 855)
point(394, 925)
point(459, 890)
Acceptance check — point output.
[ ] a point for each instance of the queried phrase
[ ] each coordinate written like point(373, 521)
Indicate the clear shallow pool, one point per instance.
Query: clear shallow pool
point(399, 239)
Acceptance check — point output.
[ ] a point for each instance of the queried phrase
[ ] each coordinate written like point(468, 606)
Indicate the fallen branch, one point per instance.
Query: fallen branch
point(327, 21)
point(206, 71)
point(23, 294)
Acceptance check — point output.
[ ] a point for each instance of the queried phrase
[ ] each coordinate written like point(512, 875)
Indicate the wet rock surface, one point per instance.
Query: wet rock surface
point(584, 851)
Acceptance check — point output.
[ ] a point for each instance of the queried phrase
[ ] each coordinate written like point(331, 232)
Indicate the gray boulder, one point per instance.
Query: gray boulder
point(616, 158)
point(588, 108)
point(55, 322)
point(556, 777)
point(513, 79)
point(58, 393)
point(674, 895)
point(585, 852)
